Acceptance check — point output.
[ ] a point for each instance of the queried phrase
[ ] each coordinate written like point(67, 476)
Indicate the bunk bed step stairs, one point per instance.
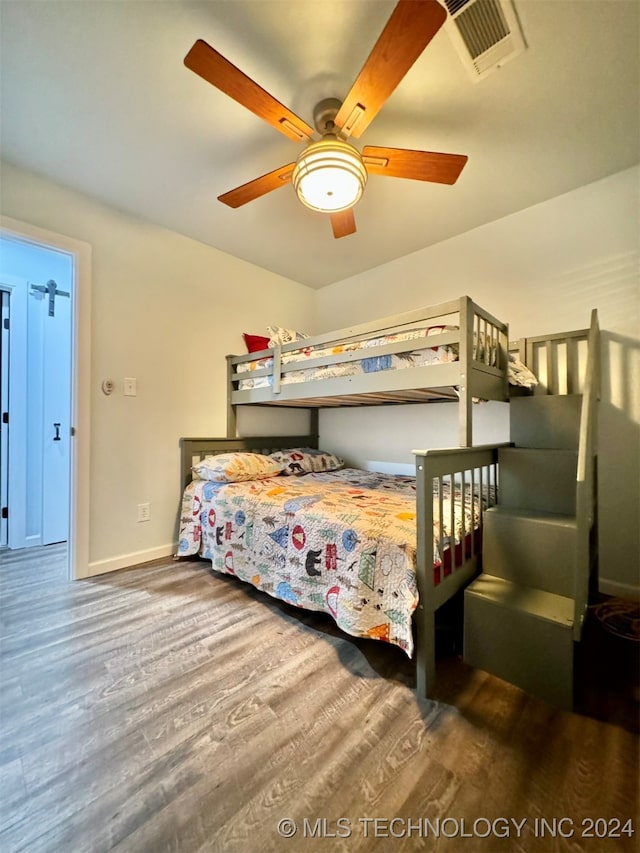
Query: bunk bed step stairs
point(542, 480)
point(523, 635)
point(551, 421)
point(535, 549)
point(519, 613)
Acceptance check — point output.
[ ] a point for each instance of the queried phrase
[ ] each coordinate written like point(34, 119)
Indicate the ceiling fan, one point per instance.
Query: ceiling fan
point(330, 174)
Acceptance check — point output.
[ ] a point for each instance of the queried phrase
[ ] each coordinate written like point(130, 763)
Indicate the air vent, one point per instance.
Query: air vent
point(486, 34)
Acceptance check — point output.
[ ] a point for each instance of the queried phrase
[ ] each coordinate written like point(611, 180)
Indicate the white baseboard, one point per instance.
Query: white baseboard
point(620, 590)
point(125, 561)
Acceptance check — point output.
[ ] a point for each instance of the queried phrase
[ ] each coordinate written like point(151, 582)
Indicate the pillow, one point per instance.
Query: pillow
point(439, 330)
point(519, 373)
point(278, 335)
point(306, 460)
point(236, 467)
point(255, 343)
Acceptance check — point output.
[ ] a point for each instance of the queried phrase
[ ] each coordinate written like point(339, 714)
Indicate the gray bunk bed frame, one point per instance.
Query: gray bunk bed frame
point(474, 466)
point(458, 381)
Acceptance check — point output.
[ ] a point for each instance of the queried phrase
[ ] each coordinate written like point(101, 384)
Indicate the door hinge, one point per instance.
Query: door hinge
point(5, 417)
point(5, 512)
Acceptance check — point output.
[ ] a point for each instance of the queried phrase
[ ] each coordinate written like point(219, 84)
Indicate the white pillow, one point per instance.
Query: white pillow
point(519, 373)
point(279, 336)
point(236, 467)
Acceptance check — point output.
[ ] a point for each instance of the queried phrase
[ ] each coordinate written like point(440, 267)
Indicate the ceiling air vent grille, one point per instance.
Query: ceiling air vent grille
point(486, 33)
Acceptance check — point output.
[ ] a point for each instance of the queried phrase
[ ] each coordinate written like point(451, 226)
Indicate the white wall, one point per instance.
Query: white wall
point(165, 310)
point(542, 270)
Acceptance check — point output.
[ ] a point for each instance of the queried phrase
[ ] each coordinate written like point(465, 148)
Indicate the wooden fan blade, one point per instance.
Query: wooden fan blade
point(343, 223)
point(417, 165)
point(412, 25)
point(215, 69)
point(260, 186)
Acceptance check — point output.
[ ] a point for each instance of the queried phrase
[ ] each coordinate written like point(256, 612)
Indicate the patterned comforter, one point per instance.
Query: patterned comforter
point(417, 357)
point(341, 542)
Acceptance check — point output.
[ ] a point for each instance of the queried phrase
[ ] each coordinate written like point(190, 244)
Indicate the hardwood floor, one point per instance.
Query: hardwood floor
point(163, 708)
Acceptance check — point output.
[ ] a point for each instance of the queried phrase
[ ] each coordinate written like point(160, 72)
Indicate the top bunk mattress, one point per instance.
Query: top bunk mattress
point(412, 357)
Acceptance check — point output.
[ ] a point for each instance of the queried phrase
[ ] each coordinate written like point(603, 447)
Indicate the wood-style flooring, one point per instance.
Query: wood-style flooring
point(164, 708)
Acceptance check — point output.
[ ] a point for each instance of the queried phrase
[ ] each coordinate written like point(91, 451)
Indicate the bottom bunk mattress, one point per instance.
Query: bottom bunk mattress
point(342, 542)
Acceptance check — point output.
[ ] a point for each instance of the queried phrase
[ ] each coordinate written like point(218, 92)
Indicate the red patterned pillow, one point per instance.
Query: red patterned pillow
point(255, 343)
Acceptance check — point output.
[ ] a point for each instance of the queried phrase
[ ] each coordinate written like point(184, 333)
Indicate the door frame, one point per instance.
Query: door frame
point(16, 288)
point(80, 446)
point(5, 360)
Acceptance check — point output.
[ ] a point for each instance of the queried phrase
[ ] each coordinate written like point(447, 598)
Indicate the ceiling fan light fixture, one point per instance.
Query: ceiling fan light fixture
point(329, 175)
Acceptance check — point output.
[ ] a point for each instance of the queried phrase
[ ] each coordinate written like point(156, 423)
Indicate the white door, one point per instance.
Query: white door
point(39, 413)
point(56, 414)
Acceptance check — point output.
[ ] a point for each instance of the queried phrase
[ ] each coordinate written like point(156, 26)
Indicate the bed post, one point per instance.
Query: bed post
point(314, 429)
point(466, 357)
point(503, 362)
point(186, 461)
point(231, 409)
point(425, 615)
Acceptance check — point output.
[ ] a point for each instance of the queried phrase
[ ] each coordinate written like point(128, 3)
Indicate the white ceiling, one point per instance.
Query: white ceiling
point(96, 97)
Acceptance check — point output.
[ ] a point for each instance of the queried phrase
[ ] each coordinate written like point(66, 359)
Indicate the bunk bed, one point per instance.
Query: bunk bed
point(453, 351)
point(443, 516)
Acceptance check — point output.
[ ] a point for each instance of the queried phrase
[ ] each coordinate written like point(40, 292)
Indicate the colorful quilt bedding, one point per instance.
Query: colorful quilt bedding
point(342, 542)
point(373, 364)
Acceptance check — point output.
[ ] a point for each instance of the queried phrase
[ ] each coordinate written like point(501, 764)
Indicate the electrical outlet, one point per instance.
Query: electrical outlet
point(144, 512)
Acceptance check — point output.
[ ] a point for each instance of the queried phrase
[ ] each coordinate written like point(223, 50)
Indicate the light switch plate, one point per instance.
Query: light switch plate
point(130, 387)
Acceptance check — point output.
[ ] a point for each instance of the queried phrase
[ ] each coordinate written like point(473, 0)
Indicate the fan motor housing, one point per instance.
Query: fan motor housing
point(324, 115)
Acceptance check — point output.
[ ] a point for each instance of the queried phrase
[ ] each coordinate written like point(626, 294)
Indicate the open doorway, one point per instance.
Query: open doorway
point(45, 292)
point(36, 287)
